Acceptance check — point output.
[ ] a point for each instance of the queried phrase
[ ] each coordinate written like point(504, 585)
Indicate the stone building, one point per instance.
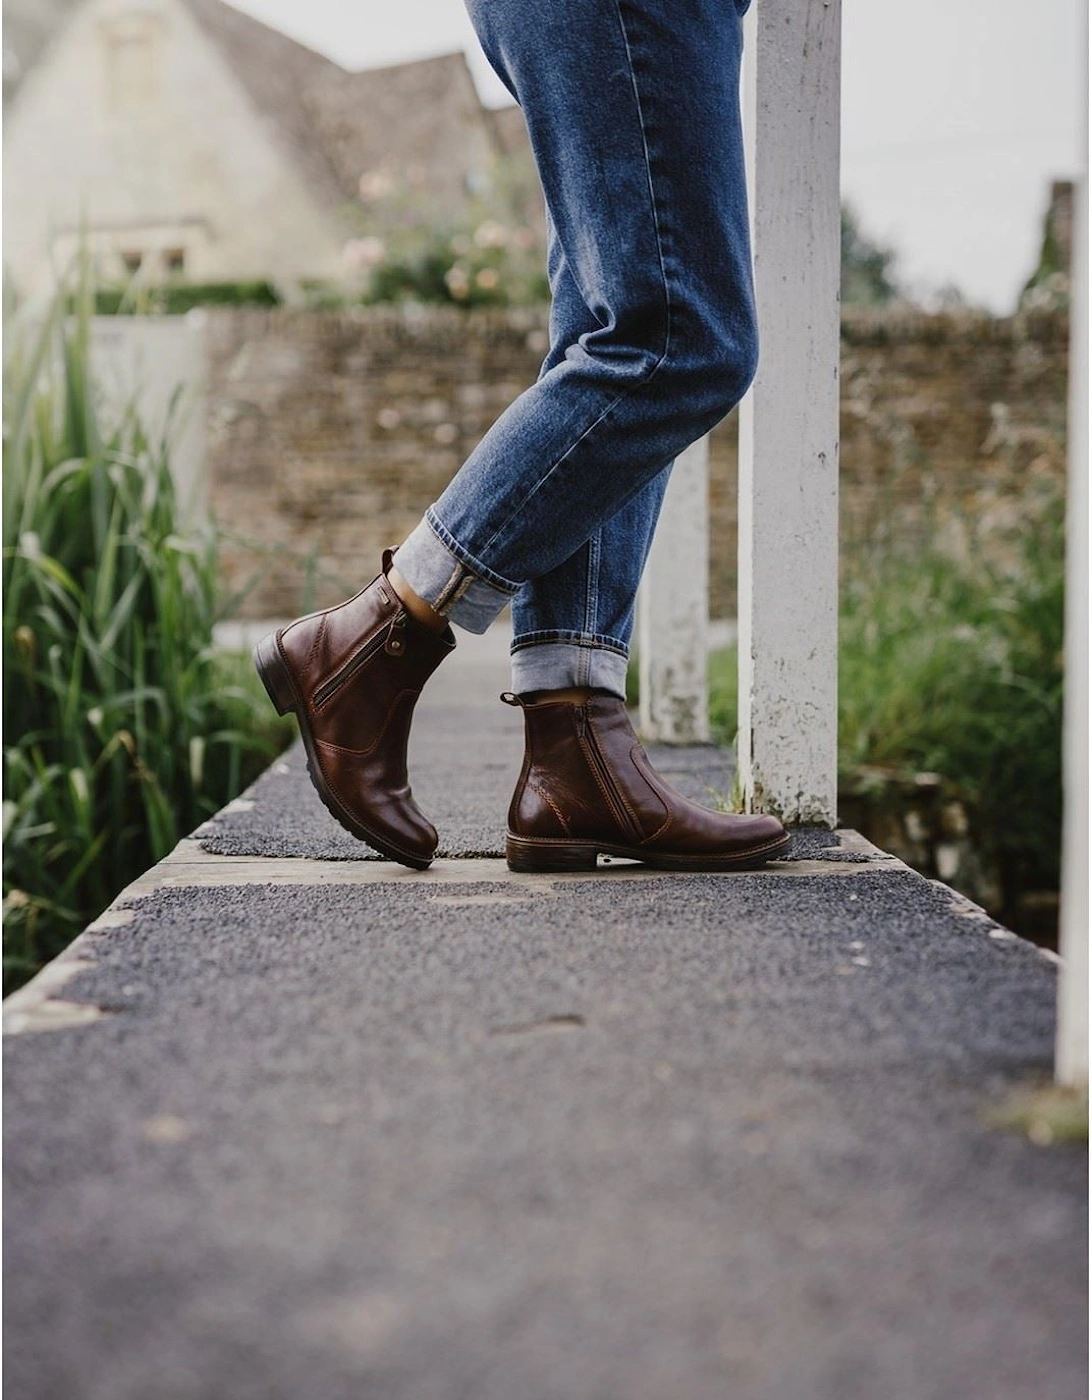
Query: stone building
point(198, 142)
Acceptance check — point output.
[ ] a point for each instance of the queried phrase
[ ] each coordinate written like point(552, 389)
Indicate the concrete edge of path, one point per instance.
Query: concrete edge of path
point(40, 1005)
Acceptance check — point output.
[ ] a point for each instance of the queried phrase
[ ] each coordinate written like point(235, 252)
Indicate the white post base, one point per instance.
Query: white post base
point(673, 611)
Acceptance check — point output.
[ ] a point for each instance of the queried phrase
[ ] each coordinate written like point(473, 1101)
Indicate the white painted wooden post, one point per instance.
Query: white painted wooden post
point(1071, 1065)
point(788, 435)
point(673, 610)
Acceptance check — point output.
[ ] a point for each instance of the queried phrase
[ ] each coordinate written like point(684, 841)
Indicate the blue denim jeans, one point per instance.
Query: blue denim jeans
point(632, 107)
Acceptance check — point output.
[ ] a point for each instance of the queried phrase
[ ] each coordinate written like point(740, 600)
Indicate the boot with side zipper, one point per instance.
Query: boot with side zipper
point(587, 787)
point(352, 675)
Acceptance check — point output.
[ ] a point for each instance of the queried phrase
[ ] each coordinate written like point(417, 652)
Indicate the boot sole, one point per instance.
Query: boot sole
point(281, 689)
point(542, 854)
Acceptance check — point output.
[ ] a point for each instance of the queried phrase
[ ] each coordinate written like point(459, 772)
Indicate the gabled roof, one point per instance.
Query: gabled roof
point(278, 74)
point(29, 26)
point(340, 124)
point(414, 114)
point(334, 124)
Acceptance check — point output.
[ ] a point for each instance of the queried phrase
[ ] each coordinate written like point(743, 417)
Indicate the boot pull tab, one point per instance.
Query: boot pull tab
point(510, 698)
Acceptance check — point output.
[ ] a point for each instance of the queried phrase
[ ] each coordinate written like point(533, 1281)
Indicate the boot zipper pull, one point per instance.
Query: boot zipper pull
point(395, 643)
point(581, 720)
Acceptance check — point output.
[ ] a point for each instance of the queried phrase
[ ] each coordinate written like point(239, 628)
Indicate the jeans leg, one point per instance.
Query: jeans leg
point(555, 647)
point(633, 112)
point(572, 626)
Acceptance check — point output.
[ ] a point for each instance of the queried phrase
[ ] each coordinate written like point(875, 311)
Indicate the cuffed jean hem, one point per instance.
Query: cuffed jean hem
point(444, 575)
point(559, 665)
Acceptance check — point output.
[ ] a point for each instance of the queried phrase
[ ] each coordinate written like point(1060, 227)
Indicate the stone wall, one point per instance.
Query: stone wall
point(329, 433)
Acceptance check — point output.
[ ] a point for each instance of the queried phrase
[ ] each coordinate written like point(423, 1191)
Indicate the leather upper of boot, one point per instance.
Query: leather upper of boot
point(586, 776)
point(359, 668)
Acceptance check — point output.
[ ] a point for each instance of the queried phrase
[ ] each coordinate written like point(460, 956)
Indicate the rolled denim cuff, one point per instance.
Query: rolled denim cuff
point(560, 665)
point(446, 577)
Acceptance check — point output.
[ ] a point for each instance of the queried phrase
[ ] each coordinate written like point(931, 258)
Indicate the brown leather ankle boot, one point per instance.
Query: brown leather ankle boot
point(587, 787)
point(352, 675)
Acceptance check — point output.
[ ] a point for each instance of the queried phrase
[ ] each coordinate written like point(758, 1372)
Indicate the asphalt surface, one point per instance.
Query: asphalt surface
point(605, 1138)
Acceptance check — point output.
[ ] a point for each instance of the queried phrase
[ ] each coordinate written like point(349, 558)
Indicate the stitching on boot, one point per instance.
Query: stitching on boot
point(647, 782)
point(625, 803)
point(319, 635)
point(552, 806)
point(367, 753)
point(521, 783)
point(394, 845)
point(659, 830)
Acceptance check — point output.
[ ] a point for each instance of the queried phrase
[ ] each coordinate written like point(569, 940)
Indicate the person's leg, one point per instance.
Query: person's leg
point(572, 626)
point(586, 784)
point(633, 112)
point(632, 107)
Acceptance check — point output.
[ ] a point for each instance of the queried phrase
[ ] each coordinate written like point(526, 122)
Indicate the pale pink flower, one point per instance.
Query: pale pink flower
point(364, 252)
point(375, 184)
point(458, 282)
point(491, 234)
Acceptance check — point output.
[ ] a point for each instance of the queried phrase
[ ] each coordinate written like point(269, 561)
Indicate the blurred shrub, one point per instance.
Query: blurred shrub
point(954, 665)
point(411, 249)
point(950, 662)
point(176, 298)
point(867, 267)
point(122, 728)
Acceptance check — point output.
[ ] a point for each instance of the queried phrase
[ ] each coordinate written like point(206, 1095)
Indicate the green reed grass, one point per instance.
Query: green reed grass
point(123, 728)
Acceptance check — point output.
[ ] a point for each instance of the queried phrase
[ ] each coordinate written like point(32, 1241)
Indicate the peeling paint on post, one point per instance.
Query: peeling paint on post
point(788, 432)
point(674, 609)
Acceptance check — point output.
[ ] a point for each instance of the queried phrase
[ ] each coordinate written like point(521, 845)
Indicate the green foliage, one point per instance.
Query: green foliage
point(451, 265)
point(1048, 286)
point(724, 695)
point(1048, 1114)
point(176, 298)
point(950, 661)
point(867, 278)
point(122, 728)
point(412, 249)
point(954, 665)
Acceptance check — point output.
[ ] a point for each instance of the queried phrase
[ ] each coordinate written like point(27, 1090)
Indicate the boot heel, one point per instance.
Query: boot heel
point(274, 674)
point(529, 856)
